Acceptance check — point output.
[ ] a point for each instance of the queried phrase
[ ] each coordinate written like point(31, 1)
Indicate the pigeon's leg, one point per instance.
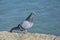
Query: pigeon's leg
point(26, 32)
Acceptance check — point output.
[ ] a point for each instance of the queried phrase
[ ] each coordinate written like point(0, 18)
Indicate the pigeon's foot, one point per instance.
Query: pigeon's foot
point(26, 33)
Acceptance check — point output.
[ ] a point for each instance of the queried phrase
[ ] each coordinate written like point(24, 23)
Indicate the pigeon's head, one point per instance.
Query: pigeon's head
point(30, 17)
point(33, 14)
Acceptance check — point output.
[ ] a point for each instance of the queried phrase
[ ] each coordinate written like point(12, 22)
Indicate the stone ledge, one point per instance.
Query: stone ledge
point(33, 36)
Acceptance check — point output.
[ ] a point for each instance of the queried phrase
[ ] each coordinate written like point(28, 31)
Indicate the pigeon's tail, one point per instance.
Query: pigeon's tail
point(19, 27)
point(14, 28)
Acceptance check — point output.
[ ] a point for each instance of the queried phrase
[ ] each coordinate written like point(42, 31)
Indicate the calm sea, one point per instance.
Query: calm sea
point(47, 19)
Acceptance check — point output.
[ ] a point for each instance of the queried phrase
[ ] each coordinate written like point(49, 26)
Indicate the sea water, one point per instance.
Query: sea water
point(47, 19)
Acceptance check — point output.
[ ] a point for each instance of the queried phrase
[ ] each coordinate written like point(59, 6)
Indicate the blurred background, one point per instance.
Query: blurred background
point(47, 19)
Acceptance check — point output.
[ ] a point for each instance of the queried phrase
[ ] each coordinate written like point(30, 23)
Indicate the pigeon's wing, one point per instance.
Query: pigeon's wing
point(27, 24)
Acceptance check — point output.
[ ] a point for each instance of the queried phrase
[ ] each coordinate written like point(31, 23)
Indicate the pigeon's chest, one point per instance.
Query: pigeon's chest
point(27, 24)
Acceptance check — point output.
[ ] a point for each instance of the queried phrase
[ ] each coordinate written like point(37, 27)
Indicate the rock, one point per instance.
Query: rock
point(20, 36)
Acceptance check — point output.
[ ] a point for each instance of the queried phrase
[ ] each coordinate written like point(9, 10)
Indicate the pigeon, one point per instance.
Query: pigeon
point(26, 24)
